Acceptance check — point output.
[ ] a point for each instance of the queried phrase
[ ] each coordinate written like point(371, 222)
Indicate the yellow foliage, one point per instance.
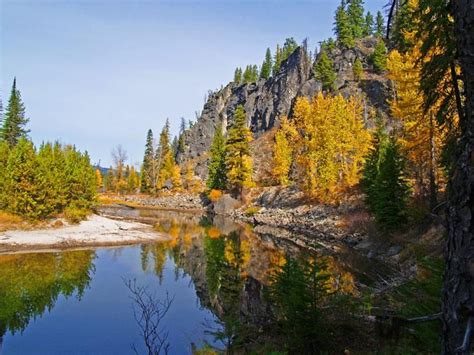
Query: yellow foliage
point(214, 233)
point(421, 138)
point(98, 178)
point(214, 195)
point(331, 144)
point(283, 151)
point(176, 178)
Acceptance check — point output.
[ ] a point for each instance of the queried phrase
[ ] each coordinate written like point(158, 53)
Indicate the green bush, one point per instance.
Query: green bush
point(75, 215)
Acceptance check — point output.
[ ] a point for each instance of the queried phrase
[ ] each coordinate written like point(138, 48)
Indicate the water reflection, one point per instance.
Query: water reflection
point(229, 266)
point(31, 283)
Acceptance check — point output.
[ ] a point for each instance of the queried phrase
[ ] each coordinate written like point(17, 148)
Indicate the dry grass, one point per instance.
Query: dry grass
point(358, 221)
point(10, 221)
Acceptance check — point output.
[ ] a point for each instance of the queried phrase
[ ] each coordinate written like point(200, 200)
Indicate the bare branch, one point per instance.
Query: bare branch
point(149, 311)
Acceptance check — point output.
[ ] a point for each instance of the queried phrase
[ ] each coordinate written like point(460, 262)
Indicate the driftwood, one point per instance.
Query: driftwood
point(467, 336)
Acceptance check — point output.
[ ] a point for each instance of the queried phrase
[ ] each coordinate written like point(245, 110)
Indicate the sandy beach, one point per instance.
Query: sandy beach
point(95, 231)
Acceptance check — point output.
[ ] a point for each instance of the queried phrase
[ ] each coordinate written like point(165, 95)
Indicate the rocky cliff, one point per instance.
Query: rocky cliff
point(266, 101)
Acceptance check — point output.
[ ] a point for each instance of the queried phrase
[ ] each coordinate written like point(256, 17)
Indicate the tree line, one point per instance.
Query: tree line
point(45, 181)
point(270, 65)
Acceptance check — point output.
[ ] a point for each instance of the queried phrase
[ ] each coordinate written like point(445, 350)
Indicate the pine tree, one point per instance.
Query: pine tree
point(14, 121)
point(238, 76)
point(238, 161)
point(277, 62)
point(289, 47)
point(164, 156)
point(324, 71)
point(217, 167)
point(379, 28)
point(147, 174)
point(342, 27)
point(390, 188)
point(355, 12)
point(182, 131)
point(358, 70)
point(379, 57)
point(267, 64)
point(369, 24)
point(110, 180)
point(20, 180)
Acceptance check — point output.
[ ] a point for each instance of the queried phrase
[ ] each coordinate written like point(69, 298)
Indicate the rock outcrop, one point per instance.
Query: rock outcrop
point(265, 101)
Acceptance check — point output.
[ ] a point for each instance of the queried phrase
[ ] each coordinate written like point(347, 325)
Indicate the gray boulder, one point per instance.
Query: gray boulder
point(226, 205)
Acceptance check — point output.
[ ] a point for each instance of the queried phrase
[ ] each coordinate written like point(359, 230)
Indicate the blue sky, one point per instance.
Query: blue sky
point(98, 73)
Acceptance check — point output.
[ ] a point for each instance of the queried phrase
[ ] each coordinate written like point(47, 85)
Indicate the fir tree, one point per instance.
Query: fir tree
point(379, 57)
point(390, 188)
point(20, 180)
point(164, 156)
point(355, 12)
point(277, 62)
point(239, 164)
point(379, 29)
point(369, 24)
point(147, 173)
point(324, 71)
point(288, 48)
point(217, 168)
point(342, 27)
point(4, 153)
point(238, 76)
point(267, 64)
point(357, 70)
point(182, 131)
point(14, 121)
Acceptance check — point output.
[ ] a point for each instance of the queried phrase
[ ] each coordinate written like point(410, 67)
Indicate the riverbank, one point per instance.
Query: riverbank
point(95, 231)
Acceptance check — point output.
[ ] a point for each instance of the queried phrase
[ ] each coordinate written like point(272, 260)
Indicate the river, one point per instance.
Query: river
point(214, 270)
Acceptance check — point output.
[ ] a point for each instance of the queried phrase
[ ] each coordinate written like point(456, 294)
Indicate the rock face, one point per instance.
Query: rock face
point(226, 205)
point(267, 100)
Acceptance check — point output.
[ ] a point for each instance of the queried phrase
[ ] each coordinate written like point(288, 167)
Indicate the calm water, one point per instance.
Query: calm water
point(77, 302)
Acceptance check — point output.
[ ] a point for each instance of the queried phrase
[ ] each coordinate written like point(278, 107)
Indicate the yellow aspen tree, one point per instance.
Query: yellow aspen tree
point(330, 145)
point(283, 151)
point(99, 179)
point(176, 178)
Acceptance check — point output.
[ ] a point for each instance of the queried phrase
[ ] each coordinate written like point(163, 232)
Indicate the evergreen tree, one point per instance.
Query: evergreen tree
point(239, 164)
point(110, 180)
point(14, 121)
point(379, 29)
point(355, 12)
point(390, 188)
point(147, 173)
point(328, 45)
point(324, 71)
point(182, 131)
point(369, 24)
point(342, 27)
point(372, 164)
point(238, 76)
point(217, 168)
point(379, 57)
point(358, 70)
point(267, 64)
point(164, 156)
point(277, 62)
point(288, 48)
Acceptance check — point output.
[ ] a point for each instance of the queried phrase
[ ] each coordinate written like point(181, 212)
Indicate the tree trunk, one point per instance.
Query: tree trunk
point(432, 167)
point(458, 293)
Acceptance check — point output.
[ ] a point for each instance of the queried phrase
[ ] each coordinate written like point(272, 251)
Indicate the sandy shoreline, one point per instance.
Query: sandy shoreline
point(95, 231)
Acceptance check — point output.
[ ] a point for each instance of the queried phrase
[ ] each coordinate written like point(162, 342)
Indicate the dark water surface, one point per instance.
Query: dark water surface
point(76, 302)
